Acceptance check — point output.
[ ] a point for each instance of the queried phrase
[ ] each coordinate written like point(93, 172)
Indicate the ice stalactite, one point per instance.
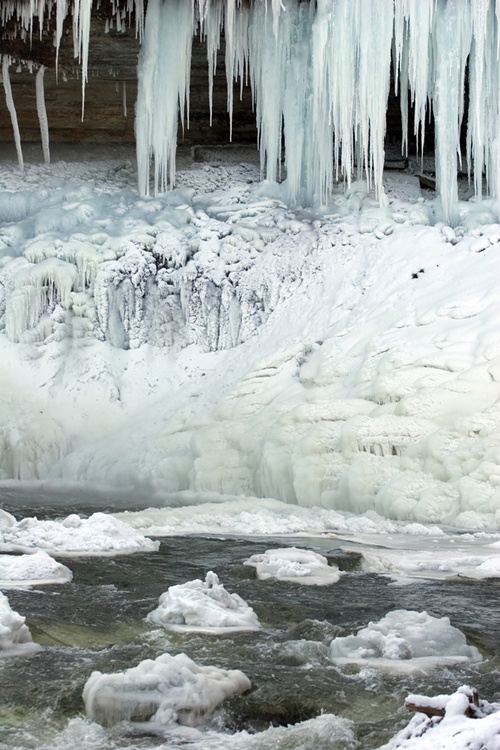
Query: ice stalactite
point(42, 113)
point(12, 109)
point(163, 95)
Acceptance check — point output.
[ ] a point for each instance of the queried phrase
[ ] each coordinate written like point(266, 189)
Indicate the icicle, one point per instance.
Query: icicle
point(124, 93)
point(12, 109)
point(42, 113)
point(61, 11)
point(163, 89)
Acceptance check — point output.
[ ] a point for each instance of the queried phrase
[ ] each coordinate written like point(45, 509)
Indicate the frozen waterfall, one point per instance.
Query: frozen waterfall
point(320, 74)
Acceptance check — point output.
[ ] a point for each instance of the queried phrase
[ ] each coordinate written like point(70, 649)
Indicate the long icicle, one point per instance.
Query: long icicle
point(42, 113)
point(12, 109)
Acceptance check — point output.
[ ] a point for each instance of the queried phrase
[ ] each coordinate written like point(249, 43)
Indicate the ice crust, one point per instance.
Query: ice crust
point(203, 606)
point(406, 641)
point(100, 534)
point(165, 690)
point(29, 570)
point(294, 565)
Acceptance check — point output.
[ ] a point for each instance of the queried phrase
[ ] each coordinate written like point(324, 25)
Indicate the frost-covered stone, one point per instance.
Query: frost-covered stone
point(295, 565)
point(15, 636)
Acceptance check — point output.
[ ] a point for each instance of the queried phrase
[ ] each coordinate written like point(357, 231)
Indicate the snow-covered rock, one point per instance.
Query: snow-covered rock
point(165, 690)
point(405, 641)
point(203, 606)
point(295, 565)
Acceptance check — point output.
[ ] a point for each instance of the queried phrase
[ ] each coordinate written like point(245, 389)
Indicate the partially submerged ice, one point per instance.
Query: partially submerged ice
point(405, 641)
point(15, 637)
point(294, 565)
point(166, 690)
point(73, 536)
point(203, 606)
point(30, 570)
point(320, 74)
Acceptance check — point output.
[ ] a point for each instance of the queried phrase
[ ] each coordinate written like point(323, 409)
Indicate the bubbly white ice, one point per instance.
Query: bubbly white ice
point(295, 565)
point(405, 641)
point(15, 637)
point(453, 731)
point(31, 570)
point(203, 606)
point(166, 690)
point(100, 534)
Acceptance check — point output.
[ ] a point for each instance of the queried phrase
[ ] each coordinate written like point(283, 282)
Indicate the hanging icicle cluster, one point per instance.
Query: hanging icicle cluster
point(320, 73)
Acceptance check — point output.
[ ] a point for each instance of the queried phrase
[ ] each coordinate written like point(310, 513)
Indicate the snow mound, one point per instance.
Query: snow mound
point(295, 565)
point(453, 731)
point(97, 535)
point(29, 570)
point(166, 690)
point(15, 637)
point(404, 641)
point(203, 606)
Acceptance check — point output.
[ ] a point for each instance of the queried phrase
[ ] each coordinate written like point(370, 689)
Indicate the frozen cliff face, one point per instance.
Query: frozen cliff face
point(168, 272)
point(344, 359)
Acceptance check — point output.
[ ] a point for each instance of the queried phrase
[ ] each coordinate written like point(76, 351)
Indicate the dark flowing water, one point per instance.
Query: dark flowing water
point(97, 623)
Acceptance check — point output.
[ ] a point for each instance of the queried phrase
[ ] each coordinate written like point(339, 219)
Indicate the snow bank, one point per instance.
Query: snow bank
point(98, 535)
point(167, 690)
point(31, 570)
point(405, 641)
point(203, 606)
point(453, 731)
point(295, 565)
point(15, 637)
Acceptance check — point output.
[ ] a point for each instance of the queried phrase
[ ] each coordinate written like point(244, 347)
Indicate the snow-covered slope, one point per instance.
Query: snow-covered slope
point(214, 340)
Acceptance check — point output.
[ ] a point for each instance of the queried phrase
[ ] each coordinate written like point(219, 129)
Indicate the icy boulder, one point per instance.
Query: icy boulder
point(405, 641)
point(203, 606)
point(169, 689)
point(99, 534)
point(15, 636)
point(294, 564)
point(29, 570)
point(459, 725)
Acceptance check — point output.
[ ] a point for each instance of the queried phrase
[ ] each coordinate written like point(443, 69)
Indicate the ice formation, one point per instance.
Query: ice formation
point(15, 637)
point(405, 641)
point(325, 99)
point(453, 731)
point(99, 534)
point(294, 565)
point(165, 690)
point(203, 606)
point(31, 570)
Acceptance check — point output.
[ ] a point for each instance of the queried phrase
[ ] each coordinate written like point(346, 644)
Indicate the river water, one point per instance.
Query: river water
point(96, 622)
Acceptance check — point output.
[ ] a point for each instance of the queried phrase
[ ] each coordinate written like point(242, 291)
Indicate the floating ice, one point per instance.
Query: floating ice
point(203, 606)
point(166, 690)
point(31, 570)
point(405, 641)
point(15, 637)
point(453, 731)
point(294, 565)
point(75, 537)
